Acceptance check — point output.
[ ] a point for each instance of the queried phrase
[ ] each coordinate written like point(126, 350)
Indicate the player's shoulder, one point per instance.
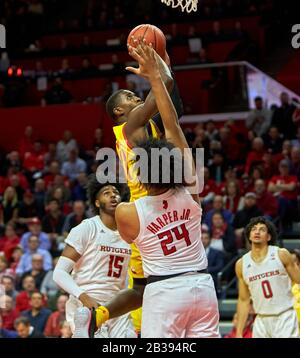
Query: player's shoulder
point(123, 209)
point(284, 255)
point(239, 266)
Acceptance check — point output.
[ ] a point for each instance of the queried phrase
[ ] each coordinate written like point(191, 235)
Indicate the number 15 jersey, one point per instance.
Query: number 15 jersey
point(102, 269)
point(170, 233)
point(269, 283)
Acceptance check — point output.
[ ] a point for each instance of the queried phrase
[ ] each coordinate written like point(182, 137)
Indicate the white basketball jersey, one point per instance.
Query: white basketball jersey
point(268, 282)
point(170, 234)
point(102, 269)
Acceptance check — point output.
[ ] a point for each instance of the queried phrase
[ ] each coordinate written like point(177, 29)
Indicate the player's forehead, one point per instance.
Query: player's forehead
point(260, 226)
point(127, 93)
point(108, 188)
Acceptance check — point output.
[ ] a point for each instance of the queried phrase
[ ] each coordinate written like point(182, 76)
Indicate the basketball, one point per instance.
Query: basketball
point(151, 34)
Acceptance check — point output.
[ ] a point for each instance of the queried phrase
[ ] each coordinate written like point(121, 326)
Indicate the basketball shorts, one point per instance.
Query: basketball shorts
point(284, 325)
point(184, 306)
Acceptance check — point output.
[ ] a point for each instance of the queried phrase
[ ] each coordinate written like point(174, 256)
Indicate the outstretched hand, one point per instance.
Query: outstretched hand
point(145, 55)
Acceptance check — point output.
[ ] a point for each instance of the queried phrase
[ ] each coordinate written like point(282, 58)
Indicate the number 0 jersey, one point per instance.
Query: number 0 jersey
point(268, 282)
point(170, 233)
point(102, 269)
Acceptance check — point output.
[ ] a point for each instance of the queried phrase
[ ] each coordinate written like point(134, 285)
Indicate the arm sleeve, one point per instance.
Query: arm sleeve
point(62, 277)
point(78, 237)
point(175, 97)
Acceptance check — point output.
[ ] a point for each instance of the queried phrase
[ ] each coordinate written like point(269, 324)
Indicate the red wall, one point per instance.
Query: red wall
point(50, 122)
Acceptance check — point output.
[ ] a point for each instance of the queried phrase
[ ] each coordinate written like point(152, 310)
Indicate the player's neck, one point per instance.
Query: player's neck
point(259, 252)
point(154, 192)
point(109, 221)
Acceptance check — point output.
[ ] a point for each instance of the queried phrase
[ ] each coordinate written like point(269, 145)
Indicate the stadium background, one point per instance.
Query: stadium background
point(64, 59)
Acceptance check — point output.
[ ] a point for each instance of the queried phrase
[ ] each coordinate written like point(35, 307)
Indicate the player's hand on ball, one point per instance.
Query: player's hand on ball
point(146, 57)
point(88, 301)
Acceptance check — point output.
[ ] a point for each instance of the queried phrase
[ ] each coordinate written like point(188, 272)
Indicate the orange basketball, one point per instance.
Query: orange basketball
point(151, 34)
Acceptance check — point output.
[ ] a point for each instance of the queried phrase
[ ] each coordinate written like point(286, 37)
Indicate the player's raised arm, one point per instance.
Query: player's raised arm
point(243, 304)
point(140, 115)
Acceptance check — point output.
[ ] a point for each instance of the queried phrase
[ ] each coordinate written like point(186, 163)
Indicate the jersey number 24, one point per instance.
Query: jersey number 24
point(167, 238)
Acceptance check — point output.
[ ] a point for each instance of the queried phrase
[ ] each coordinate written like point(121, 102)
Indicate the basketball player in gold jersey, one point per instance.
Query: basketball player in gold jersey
point(138, 120)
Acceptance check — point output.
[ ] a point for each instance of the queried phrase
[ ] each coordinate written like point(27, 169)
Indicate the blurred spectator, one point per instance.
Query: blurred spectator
point(34, 160)
point(218, 167)
point(5, 333)
point(284, 187)
point(65, 70)
point(256, 155)
point(9, 206)
point(273, 141)
point(4, 61)
point(65, 145)
point(23, 298)
point(74, 166)
point(37, 315)
point(209, 190)
point(243, 217)
point(16, 257)
point(9, 286)
point(295, 162)
point(76, 217)
point(259, 119)
point(266, 202)
point(296, 141)
point(25, 263)
point(50, 156)
point(79, 190)
point(217, 34)
point(13, 160)
point(26, 142)
point(18, 181)
point(37, 271)
point(52, 172)
point(62, 195)
point(4, 268)
point(87, 68)
point(53, 222)
point(233, 200)
point(57, 94)
point(9, 241)
point(218, 206)
point(35, 229)
point(49, 288)
point(25, 330)
point(27, 208)
point(40, 196)
point(211, 130)
point(56, 319)
point(282, 117)
point(214, 257)
point(9, 314)
point(223, 237)
point(65, 330)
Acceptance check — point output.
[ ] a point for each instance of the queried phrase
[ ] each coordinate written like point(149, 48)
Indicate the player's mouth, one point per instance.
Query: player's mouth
point(114, 203)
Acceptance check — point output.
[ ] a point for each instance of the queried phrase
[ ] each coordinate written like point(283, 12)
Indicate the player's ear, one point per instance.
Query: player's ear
point(118, 111)
point(97, 203)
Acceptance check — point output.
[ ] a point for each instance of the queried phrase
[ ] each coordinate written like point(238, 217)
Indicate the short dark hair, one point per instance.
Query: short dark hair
point(258, 98)
point(22, 320)
point(262, 220)
point(113, 102)
point(175, 163)
point(94, 186)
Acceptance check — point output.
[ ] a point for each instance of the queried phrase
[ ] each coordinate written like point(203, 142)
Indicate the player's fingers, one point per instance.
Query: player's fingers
point(133, 52)
point(132, 69)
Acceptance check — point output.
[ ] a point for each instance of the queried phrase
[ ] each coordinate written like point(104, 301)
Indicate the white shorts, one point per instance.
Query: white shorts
point(284, 325)
point(120, 327)
point(184, 306)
